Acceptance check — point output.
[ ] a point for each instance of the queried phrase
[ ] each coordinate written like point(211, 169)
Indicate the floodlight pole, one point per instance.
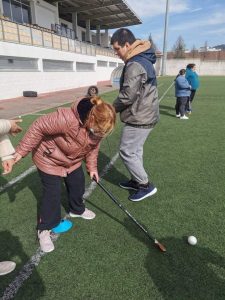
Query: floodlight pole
point(165, 40)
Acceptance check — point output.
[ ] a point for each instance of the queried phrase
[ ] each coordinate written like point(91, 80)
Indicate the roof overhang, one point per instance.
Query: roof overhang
point(108, 14)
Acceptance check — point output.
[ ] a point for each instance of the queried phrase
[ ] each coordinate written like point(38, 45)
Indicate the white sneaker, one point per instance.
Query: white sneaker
point(87, 214)
point(178, 116)
point(45, 241)
point(6, 267)
point(184, 118)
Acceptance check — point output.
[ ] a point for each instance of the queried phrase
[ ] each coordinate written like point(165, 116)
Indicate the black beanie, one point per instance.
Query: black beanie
point(83, 108)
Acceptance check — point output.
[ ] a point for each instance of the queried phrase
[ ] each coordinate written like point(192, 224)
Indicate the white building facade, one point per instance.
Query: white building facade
point(44, 48)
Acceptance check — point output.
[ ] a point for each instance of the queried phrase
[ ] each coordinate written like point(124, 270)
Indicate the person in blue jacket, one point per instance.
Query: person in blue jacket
point(192, 78)
point(182, 92)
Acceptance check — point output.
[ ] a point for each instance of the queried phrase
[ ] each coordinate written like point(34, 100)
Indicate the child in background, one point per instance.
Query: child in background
point(182, 92)
point(59, 142)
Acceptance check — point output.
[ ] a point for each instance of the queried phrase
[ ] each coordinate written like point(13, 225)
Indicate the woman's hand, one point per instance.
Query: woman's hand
point(94, 175)
point(17, 157)
point(15, 128)
point(7, 166)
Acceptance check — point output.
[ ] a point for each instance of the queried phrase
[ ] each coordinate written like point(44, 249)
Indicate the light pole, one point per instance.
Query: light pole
point(165, 40)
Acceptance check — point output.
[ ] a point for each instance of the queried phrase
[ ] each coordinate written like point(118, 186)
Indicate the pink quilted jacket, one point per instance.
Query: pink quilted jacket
point(59, 143)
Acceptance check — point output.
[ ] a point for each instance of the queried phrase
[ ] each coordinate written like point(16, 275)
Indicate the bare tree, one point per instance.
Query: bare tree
point(153, 45)
point(194, 51)
point(179, 48)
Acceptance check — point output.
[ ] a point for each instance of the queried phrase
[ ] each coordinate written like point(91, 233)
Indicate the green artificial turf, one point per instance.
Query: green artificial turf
point(110, 257)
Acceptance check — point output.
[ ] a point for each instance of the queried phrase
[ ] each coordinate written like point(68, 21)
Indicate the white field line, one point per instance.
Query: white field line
point(34, 112)
point(18, 178)
point(166, 92)
point(37, 114)
point(93, 184)
point(28, 268)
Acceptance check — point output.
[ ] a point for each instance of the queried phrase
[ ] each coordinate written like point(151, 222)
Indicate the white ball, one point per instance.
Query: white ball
point(192, 240)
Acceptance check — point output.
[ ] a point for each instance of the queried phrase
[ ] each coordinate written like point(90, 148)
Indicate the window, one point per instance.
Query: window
point(64, 29)
point(85, 67)
point(17, 10)
point(7, 8)
point(112, 64)
point(102, 63)
point(26, 13)
point(83, 36)
point(14, 64)
point(57, 65)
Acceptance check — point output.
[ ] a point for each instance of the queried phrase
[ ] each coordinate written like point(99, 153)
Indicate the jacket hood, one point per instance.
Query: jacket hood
point(141, 48)
point(74, 109)
point(149, 55)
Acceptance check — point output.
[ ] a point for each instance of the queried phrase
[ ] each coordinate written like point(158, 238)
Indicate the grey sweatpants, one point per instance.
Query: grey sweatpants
point(131, 151)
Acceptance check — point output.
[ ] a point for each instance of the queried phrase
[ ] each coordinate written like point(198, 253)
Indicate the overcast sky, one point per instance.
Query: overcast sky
point(197, 21)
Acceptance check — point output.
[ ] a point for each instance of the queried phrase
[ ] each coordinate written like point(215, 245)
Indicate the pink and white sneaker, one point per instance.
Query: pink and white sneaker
point(45, 241)
point(87, 215)
point(6, 267)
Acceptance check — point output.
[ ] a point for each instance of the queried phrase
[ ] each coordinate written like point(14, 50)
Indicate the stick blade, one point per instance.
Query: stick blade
point(160, 246)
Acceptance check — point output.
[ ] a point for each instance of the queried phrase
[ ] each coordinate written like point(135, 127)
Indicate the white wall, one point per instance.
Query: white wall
point(46, 14)
point(102, 73)
point(12, 84)
point(212, 67)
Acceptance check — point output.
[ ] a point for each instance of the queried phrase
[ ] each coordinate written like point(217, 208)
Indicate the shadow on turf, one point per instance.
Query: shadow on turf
point(113, 175)
point(33, 183)
point(184, 271)
point(164, 110)
point(11, 249)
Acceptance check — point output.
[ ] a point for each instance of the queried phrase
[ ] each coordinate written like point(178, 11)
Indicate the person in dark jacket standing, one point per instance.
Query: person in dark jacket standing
point(138, 106)
point(193, 79)
point(182, 92)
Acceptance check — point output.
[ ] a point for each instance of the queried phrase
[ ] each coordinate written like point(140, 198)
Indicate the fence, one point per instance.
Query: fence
point(41, 37)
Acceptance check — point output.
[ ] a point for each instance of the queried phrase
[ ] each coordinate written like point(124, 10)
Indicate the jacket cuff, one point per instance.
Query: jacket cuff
point(7, 157)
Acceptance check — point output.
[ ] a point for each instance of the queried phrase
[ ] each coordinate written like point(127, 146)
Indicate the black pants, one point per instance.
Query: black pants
point(192, 95)
point(50, 210)
point(189, 102)
point(180, 105)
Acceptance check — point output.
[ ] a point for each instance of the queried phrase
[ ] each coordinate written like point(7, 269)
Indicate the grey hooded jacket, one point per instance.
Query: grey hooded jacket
point(137, 101)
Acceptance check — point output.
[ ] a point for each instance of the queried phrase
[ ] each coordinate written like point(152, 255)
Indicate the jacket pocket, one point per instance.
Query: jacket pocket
point(57, 157)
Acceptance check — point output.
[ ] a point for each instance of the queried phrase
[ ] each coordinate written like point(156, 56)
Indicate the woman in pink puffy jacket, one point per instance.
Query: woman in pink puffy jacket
point(59, 142)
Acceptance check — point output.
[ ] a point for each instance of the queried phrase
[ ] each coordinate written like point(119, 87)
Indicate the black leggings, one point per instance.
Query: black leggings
point(50, 210)
point(192, 95)
point(191, 98)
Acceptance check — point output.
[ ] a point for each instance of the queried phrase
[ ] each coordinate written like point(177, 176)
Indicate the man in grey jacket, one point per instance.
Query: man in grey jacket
point(138, 106)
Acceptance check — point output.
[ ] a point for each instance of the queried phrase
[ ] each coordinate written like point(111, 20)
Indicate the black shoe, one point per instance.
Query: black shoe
point(143, 192)
point(129, 185)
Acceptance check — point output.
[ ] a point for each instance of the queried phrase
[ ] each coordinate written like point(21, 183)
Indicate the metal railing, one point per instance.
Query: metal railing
point(37, 36)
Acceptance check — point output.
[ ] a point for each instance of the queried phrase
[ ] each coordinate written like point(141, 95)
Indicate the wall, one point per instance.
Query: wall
point(12, 84)
point(213, 67)
point(46, 14)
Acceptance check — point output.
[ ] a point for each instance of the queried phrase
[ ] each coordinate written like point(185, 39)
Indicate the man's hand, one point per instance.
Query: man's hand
point(94, 175)
point(7, 165)
point(15, 128)
point(17, 157)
